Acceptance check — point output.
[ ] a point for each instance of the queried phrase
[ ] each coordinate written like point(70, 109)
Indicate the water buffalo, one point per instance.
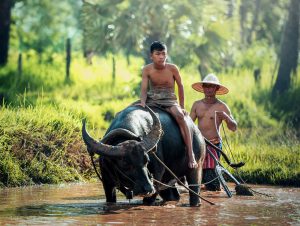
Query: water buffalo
point(126, 159)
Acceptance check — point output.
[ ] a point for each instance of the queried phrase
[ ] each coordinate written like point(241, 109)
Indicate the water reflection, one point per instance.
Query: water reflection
point(74, 209)
point(78, 204)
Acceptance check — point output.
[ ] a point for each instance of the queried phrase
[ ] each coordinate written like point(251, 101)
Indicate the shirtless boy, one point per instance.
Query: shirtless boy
point(210, 112)
point(161, 77)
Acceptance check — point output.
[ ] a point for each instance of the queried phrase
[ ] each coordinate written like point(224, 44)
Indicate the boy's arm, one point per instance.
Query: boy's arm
point(144, 86)
point(177, 78)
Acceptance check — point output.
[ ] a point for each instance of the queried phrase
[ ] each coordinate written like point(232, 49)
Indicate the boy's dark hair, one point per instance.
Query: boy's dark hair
point(157, 45)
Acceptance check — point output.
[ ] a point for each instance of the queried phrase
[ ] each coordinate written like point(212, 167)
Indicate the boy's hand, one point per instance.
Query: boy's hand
point(141, 104)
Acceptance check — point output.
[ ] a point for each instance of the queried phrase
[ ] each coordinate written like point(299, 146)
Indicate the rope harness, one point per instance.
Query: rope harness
point(241, 189)
point(219, 169)
point(115, 177)
point(178, 180)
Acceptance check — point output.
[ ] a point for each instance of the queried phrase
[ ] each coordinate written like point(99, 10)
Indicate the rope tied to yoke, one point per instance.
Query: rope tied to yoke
point(241, 189)
point(178, 180)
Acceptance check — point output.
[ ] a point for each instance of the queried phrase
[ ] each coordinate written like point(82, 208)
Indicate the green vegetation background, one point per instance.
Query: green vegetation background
point(41, 113)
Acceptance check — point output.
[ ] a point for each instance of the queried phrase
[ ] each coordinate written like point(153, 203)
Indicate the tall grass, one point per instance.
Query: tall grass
point(40, 119)
point(271, 155)
point(40, 145)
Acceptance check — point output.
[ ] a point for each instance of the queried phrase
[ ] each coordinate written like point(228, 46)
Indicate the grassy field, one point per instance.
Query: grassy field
point(41, 113)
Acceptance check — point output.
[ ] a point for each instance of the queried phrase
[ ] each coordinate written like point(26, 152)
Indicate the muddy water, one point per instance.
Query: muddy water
point(84, 204)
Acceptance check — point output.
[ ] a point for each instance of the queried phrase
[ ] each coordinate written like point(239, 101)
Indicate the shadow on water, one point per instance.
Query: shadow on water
point(70, 209)
point(86, 198)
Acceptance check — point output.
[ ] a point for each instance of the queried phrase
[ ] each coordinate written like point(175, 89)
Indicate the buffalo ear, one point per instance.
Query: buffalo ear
point(114, 134)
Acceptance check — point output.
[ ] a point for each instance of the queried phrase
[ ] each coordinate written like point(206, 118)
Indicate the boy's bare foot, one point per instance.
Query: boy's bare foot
point(193, 164)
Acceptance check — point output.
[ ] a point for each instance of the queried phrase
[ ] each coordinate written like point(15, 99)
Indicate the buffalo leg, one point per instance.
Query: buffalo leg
point(109, 188)
point(194, 184)
point(170, 194)
point(149, 201)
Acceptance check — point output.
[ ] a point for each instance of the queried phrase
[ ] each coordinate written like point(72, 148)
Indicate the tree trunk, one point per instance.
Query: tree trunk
point(230, 8)
point(203, 70)
point(288, 50)
point(68, 58)
point(254, 21)
point(128, 59)
point(113, 71)
point(20, 64)
point(243, 16)
point(5, 9)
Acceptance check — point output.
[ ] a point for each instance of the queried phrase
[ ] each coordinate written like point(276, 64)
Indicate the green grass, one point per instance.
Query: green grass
point(40, 145)
point(40, 119)
point(271, 157)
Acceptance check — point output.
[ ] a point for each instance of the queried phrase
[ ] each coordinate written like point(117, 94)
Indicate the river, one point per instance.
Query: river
point(84, 204)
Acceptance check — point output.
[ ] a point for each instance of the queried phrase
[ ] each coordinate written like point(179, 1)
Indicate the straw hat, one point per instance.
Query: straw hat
point(210, 79)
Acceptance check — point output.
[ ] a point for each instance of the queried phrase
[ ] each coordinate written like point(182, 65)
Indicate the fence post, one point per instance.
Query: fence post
point(20, 64)
point(68, 58)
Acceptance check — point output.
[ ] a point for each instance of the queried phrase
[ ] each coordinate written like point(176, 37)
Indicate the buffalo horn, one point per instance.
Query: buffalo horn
point(151, 139)
point(99, 147)
point(119, 132)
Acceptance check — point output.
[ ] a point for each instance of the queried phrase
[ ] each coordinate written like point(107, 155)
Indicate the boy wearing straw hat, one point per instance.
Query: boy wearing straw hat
point(210, 112)
point(161, 77)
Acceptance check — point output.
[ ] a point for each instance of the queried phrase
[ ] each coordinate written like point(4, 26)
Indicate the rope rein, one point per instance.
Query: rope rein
point(95, 168)
point(230, 151)
point(227, 143)
point(117, 181)
point(236, 168)
point(178, 180)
